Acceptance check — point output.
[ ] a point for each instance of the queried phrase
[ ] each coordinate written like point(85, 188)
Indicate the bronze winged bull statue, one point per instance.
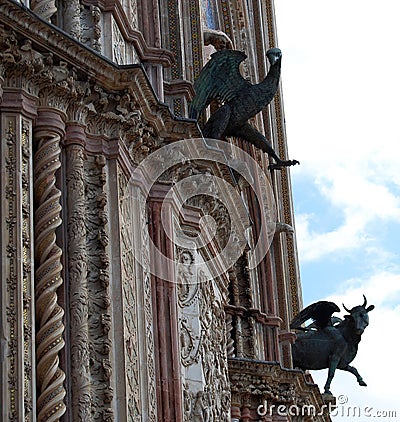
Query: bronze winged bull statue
point(329, 342)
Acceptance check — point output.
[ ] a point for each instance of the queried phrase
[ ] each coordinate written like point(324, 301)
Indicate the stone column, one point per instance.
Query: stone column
point(49, 339)
point(169, 389)
point(74, 142)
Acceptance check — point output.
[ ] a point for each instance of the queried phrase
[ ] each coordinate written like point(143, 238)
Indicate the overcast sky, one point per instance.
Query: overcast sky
point(341, 91)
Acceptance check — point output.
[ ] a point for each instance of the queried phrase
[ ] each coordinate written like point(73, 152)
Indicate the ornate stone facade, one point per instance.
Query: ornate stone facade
point(116, 300)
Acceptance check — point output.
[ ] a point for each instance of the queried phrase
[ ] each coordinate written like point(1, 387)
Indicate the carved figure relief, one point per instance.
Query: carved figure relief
point(190, 334)
point(202, 340)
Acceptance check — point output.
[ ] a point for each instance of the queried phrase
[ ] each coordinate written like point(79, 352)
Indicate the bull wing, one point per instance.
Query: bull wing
point(320, 312)
point(220, 78)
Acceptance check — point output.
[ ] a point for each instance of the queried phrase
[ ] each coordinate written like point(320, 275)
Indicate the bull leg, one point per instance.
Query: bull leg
point(354, 371)
point(333, 363)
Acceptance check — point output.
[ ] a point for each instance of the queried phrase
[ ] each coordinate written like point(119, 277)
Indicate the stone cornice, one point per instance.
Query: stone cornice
point(269, 381)
point(96, 69)
point(179, 87)
point(146, 53)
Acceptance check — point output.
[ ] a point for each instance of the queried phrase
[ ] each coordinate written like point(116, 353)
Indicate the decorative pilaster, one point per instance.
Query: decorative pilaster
point(77, 271)
point(98, 287)
point(16, 278)
point(1, 82)
point(49, 314)
point(166, 342)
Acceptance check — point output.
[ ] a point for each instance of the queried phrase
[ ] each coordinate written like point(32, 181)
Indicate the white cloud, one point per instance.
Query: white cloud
point(341, 93)
point(359, 202)
point(314, 245)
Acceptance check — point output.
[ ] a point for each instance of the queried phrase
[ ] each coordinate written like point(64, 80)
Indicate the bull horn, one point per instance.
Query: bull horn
point(365, 302)
point(347, 310)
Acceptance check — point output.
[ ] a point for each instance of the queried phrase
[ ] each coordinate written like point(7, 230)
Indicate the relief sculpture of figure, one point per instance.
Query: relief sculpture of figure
point(220, 79)
point(329, 342)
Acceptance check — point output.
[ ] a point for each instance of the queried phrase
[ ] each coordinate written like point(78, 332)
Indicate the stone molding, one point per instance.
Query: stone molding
point(146, 53)
point(255, 382)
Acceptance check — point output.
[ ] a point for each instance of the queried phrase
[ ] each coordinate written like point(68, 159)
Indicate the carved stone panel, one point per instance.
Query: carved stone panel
point(99, 312)
point(130, 305)
point(138, 333)
point(17, 374)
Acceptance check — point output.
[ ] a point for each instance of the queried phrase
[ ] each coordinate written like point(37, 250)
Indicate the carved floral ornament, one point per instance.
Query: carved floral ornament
point(254, 382)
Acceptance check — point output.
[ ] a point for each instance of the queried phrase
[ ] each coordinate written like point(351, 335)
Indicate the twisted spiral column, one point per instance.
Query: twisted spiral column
point(49, 339)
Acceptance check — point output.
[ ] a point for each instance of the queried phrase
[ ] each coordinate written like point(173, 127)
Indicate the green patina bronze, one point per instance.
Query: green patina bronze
point(221, 80)
point(329, 342)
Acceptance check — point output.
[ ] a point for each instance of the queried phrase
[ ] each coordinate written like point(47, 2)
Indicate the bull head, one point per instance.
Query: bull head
point(359, 314)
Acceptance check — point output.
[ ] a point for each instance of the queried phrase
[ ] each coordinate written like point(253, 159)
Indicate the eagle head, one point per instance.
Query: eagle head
point(274, 54)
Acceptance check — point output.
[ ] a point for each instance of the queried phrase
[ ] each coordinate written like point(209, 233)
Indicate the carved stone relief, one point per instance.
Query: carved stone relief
point(129, 301)
point(90, 26)
point(214, 354)
point(27, 261)
point(78, 285)
point(71, 18)
point(119, 49)
point(99, 314)
point(49, 337)
point(137, 303)
point(202, 342)
point(134, 14)
point(149, 359)
point(131, 10)
point(16, 279)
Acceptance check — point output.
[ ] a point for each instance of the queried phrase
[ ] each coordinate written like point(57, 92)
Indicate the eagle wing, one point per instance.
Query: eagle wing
point(220, 78)
point(320, 312)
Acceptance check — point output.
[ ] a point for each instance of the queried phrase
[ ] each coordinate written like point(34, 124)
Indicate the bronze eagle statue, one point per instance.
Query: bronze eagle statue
point(221, 79)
